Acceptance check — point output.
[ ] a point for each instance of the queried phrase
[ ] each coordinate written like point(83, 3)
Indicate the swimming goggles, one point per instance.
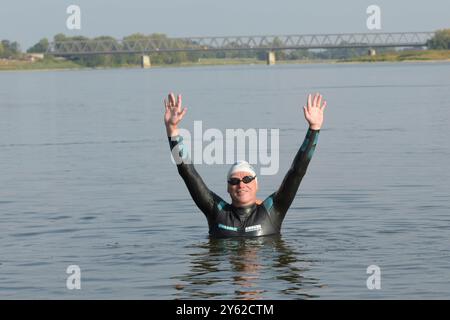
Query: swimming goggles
point(236, 181)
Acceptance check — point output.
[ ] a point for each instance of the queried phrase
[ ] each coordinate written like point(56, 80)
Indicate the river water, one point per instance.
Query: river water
point(86, 179)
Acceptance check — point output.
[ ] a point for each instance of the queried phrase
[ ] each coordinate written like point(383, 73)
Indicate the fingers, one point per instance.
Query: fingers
point(179, 102)
point(319, 100)
point(306, 112)
point(171, 100)
point(166, 105)
point(316, 97)
point(323, 106)
point(183, 112)
point(315, 102)
point(174, 103)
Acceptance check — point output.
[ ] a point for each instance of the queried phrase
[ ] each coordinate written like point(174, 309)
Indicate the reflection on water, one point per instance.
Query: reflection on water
point(245, 269)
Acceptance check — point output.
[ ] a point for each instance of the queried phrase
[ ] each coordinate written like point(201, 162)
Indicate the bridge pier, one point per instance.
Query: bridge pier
point(372, 52)
point(145, 62)
point(271, 58)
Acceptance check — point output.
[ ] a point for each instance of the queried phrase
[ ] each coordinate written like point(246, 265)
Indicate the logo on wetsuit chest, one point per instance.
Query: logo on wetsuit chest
point(247, 229)
point(253, 228)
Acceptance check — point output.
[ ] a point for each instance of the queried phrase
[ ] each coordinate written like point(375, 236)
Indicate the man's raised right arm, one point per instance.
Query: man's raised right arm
point(202, 196)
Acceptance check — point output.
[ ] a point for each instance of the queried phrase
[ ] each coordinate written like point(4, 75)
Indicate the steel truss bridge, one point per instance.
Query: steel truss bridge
point(268, 43)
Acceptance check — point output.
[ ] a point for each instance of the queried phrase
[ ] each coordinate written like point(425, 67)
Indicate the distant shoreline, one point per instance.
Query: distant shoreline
point(49, 64)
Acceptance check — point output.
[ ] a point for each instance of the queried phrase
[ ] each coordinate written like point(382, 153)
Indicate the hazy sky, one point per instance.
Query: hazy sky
point(28, 21)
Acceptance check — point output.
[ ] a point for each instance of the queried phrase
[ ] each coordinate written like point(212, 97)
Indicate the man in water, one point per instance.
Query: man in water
point(245, 216)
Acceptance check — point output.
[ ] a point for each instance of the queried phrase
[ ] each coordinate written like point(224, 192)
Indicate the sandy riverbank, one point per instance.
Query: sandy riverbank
point(403, 56)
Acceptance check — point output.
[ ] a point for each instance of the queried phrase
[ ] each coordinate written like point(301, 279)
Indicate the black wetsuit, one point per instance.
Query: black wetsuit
point(224, 219)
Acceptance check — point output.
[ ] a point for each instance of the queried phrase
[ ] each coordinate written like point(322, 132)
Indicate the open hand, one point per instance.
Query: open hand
point(174, 113)
point(314, 111)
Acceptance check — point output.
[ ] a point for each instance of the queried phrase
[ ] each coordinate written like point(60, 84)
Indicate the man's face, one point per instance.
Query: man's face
point(243, 194)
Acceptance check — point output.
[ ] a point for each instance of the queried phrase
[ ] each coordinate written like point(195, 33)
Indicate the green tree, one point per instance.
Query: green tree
point(299, 54)
point(440, 41)
point(10, 49)
point(60, 37)
point(40, 47)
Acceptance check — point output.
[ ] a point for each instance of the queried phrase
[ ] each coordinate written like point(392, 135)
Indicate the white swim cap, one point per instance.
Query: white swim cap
point(241, 166)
